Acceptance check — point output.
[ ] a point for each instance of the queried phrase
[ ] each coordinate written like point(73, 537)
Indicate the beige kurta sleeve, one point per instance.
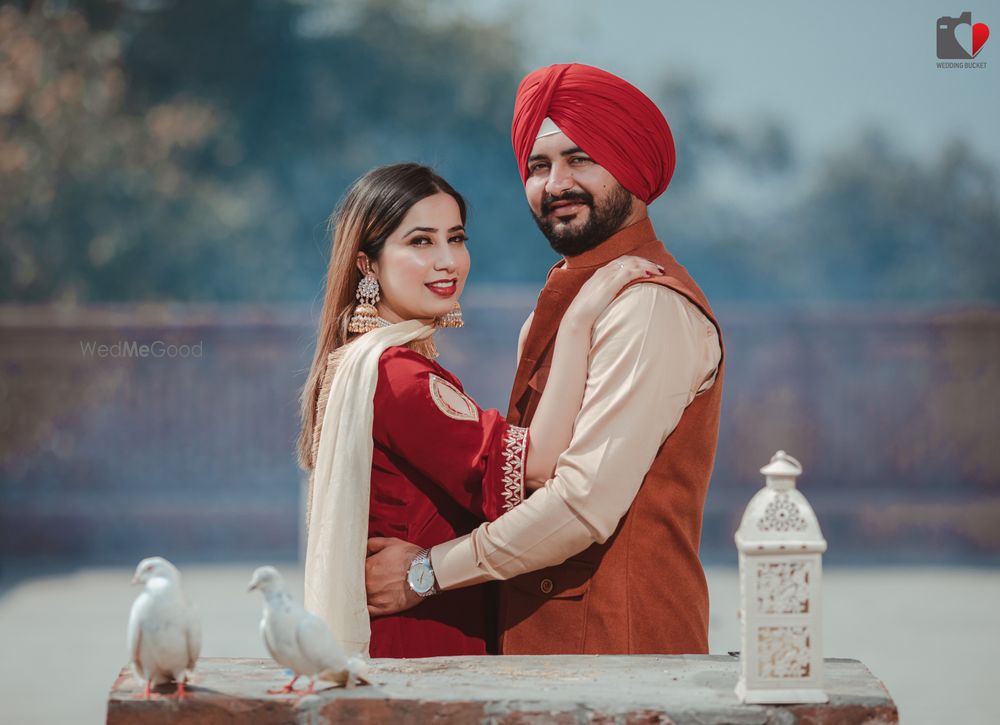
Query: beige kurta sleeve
point(523, 334)
point(652, 351)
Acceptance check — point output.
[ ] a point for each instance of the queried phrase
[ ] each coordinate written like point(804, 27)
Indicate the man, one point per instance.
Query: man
point(604, 557)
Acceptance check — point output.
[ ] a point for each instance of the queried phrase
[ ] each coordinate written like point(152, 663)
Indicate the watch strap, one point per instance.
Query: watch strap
point(423, 557)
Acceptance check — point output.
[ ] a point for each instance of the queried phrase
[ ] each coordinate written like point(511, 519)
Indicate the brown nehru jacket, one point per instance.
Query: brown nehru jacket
point(643, 590)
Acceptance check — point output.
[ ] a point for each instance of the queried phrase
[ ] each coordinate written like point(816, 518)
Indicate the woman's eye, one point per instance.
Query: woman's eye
point(420, 241)
point(459, 239)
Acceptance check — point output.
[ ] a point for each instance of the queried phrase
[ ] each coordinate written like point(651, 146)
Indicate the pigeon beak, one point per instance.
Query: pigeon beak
point(253, 585)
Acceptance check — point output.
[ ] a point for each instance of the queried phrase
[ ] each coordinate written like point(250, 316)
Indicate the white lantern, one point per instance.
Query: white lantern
point(781, 569)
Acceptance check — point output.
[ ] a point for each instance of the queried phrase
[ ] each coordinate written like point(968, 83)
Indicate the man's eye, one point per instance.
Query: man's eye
point(536, 168)
point(578, 160)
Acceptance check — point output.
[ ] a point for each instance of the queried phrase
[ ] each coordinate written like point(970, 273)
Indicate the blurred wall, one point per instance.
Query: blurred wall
point(107, 459)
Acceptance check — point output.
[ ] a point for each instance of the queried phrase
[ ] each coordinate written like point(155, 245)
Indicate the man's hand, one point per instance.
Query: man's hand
point(385, 576)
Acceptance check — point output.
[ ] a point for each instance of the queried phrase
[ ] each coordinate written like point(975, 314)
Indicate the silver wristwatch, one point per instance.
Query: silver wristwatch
point(420, 575)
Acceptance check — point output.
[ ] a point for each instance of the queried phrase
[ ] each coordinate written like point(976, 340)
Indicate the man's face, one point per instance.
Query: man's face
point(575, 201)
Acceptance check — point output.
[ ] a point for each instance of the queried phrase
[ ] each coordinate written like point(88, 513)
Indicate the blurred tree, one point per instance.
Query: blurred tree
point(877, 225)
point(73, 163)
point(866, 223)
point(178, 149)
point(761, 146)
point(721, 164)
point(193, 150)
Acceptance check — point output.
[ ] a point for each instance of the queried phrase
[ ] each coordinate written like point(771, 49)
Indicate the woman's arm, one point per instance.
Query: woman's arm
point(552, 426)
point(428, 426)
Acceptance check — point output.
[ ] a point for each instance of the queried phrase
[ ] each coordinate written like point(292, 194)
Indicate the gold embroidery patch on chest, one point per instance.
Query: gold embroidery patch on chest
point(451, 401)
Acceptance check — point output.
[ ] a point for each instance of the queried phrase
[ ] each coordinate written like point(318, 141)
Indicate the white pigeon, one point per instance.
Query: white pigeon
point(164, 633)
point(299, 640)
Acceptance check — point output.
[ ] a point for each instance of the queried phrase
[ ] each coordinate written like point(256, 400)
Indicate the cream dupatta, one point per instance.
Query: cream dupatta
point(340, 486)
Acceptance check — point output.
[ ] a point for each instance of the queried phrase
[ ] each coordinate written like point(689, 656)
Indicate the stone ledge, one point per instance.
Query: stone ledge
point(515, 689)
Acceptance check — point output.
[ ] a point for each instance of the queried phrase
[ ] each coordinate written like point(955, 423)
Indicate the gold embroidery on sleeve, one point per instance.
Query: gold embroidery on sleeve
point(451, 401)
point(514, 452)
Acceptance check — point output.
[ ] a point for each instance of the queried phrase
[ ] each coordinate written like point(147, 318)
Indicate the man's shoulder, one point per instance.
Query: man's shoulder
point(650, 302)
point(652, 321)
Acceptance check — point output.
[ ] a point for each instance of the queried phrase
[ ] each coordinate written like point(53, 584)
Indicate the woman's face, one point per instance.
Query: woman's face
point(424, 263)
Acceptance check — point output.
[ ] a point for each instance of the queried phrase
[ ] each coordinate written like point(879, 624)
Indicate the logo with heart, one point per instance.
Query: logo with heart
point(959, 39)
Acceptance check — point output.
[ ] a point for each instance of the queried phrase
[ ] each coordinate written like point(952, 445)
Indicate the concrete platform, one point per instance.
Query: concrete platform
point(930, 633)
point(691, 689)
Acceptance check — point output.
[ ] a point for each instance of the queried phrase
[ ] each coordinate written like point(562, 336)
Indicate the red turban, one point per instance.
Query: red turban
point(610, 119)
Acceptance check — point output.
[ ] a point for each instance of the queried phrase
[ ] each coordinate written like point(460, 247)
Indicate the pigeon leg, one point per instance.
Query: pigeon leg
point(182, 693)
point(311, 690)
point(288, 688)
point(147, 693)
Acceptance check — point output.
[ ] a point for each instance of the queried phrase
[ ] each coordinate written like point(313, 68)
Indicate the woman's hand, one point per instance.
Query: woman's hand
point(597, 293)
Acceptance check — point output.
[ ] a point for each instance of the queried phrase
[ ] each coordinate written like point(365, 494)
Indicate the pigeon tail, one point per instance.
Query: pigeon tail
point(356, 672)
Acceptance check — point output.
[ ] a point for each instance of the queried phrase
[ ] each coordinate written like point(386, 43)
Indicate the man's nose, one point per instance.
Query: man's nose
point(560, 180)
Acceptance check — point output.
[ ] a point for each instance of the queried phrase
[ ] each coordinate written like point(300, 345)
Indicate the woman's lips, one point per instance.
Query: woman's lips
point(443, 290)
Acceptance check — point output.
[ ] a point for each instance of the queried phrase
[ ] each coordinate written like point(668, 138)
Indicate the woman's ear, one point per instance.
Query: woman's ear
point(364, 265)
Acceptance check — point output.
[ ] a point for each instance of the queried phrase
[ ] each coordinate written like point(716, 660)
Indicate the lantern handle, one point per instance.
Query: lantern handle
point(782, 456)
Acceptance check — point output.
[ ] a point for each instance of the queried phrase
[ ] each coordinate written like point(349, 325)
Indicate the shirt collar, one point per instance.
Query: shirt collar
point(621, 242)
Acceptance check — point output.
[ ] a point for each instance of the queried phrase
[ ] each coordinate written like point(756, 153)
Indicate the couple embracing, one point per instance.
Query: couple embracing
point(572, 524)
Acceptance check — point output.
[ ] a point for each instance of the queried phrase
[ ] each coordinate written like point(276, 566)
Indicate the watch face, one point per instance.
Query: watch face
point(420, 578)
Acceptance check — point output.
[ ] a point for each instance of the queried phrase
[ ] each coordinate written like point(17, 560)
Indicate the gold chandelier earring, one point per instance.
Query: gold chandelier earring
point(452, 318)
point(365, 317)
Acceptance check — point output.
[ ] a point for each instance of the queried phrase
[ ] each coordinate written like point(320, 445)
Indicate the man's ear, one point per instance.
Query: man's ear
point(640, 209)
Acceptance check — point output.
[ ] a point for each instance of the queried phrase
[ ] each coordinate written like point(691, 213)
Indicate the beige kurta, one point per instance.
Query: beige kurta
point(638, 386)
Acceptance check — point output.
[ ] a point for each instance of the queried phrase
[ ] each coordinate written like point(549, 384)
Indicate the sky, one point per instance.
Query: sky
point(827, 69)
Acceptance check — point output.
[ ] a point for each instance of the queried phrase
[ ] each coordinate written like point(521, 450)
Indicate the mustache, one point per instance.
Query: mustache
point(579, 196)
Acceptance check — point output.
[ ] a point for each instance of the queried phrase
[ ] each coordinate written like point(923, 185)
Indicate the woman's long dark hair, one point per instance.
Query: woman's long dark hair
point(371, 210)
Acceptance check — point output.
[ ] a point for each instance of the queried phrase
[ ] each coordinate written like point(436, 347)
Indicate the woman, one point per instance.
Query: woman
point(394, 446)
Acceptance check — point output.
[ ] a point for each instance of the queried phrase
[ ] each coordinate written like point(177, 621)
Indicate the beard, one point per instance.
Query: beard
point(603, 221)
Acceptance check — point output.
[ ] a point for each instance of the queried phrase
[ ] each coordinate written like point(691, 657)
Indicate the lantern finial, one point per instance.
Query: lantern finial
point(782, 471)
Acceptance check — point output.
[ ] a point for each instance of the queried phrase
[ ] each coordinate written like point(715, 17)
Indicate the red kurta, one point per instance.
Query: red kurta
point(440, 467)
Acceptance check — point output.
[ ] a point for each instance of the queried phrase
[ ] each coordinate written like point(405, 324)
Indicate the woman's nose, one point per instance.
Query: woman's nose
point(445, 259)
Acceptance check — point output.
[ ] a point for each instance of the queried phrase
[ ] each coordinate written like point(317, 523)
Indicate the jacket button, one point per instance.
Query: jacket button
point(546, 586)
